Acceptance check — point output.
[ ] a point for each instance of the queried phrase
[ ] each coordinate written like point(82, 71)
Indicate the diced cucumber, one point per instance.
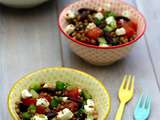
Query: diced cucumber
point(34, 93)
point(54, 102)
point(26, 115)
point(60, 85)
point(36, 86)
point(97, 22)
point(86, 95)
point(32, 109)
point(109, 13)
point(108, 28)
point(90, 117)
point(101, 40)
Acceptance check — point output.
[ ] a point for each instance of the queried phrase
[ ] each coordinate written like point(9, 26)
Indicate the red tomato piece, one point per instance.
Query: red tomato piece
point(73, 106)
point(74, 94)
point(132, 25)
point(40, 110)
point(94, 33)
point(130, 28)
point(29, 101)
point(46, 96)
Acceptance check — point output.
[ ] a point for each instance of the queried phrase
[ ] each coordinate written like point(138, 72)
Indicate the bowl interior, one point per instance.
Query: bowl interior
point(51, 75)
point(110, 5)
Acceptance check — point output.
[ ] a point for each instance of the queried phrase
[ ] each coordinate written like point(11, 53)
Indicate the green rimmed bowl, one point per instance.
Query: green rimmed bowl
point(51, 75)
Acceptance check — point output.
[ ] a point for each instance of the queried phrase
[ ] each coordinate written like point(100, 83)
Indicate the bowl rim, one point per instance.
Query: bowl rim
point(59, 69)
point(109, 47)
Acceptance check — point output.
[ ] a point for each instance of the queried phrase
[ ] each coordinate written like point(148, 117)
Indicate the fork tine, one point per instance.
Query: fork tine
point(145, 102)
point(132, 84)
point(123, 82)
point(148, 105)
point(128, 82)
point(139, 101)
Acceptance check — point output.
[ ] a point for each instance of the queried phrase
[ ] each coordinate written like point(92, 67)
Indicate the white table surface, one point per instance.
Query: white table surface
point(29, 40)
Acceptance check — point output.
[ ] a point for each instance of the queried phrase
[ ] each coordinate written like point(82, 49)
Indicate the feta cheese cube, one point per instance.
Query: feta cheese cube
point(90, 26)
point(48, 85)
point(120, 31)
point(110, 20)
point(70, 14)
point(99, 16)
point(90, 102)
point(65, 114)
point(64, 99)
point(39, 117)
point(25, 94)
point(126, 14)
point(70, 28)
point(42, 102)
point(88, 109)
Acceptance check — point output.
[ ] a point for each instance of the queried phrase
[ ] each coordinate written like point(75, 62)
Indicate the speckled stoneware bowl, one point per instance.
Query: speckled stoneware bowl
point(22, 3)
point(51, 75)
point(103, 55)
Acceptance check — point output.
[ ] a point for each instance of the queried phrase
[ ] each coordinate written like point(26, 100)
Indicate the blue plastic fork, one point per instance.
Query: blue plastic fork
point(143, 108)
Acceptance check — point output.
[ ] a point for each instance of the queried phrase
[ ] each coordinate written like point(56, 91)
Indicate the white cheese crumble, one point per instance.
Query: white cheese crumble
point(70, 14)
point(64, 99)
point(90, 102)
point(25, 94)
point(65, 114)
point(89, 107)
point(99, 16)
point(48, 85)
point(70, 28)
point(120, 31)
point(42, 102)
point(39, 117)
point(110, 20)
point(126, 14)
point(90, 26)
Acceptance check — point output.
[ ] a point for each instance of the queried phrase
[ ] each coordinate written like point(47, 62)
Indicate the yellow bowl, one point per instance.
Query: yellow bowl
point(51, 75)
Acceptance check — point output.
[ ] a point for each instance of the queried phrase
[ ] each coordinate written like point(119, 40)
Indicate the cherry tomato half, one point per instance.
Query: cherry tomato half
point(130, 28)
point(29, 101)
point(46, 96)
point(74, 94)
point(73, 106)
point(94, 33)
point(40, 110)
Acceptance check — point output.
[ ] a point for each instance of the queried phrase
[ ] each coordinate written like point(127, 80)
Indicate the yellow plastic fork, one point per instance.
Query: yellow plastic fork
point(125, 94)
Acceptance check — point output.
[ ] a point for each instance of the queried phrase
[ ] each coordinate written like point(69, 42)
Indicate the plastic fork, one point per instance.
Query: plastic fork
point(125, 94)
point(143, 108)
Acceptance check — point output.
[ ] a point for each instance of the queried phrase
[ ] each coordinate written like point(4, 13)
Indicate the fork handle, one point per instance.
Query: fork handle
point(120, 111)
